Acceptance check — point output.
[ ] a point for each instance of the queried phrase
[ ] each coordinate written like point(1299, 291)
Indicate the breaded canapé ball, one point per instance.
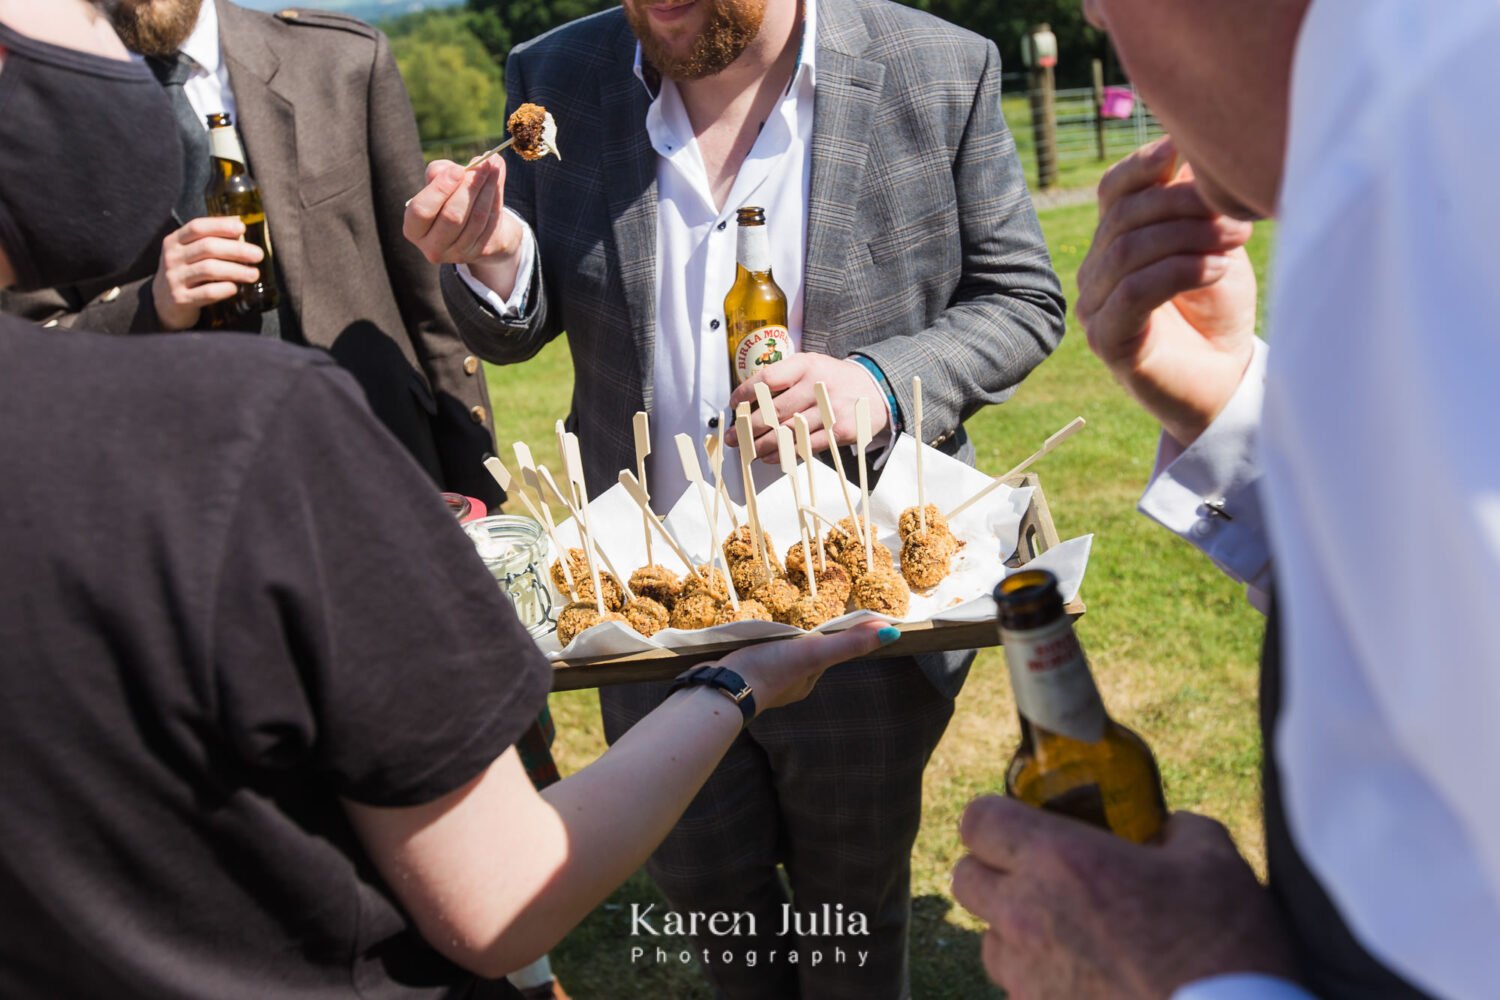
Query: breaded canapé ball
point(647, 616)
point(833, 581)
point(614, 595)
point(740, 544)
point(525, 125)
point(843, 538)
point(925, 563)
point(910, 523)
point(656, 582)
point(854, 559)
point(578, 617)
point(808, 613)
point(777, 596)
point(577, 565)
point(749, 611)
point(693, 611)
point(708, 580)
point(747, 574)
point(883, 592)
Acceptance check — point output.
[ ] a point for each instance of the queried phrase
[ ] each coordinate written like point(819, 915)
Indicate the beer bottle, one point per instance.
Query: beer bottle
point(755, 308)
point(1073, 758)
point(232, 191)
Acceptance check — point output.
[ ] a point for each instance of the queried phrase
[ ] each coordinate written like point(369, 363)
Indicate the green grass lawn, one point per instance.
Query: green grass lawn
point(1173, 644)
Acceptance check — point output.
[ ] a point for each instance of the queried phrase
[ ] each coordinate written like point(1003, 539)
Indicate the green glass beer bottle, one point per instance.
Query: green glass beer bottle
point(232, 191)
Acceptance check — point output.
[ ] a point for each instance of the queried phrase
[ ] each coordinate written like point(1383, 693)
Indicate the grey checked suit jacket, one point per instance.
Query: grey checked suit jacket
point(923, 249)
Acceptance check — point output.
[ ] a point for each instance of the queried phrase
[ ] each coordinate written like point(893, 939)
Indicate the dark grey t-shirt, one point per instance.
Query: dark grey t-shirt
point(227, 598)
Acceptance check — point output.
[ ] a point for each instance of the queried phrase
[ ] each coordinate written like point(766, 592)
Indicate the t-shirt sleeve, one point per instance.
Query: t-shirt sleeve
point(357, 635)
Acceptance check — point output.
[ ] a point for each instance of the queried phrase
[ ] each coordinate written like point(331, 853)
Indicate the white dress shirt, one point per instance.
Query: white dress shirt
point(1381, 482)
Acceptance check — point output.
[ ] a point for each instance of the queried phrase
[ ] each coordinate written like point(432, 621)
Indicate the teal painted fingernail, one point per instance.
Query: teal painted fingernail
point(888, 635)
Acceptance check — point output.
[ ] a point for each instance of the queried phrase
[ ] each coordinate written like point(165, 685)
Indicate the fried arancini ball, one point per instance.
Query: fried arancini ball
point(843, 538)
point(656, 582)
point(577, 565)
point(696, 610)
point(924, 563)
point(614, 595)
point(854, 559)
point(740, 544)
point(749, 611)
point(747, 574)
point(714, 586)
point(832, 579)
point(808, 614)
point(526, 126)
point(883, 591)
point(647, 616)
point(910, 522)
point(777, 596)
point(574, 618)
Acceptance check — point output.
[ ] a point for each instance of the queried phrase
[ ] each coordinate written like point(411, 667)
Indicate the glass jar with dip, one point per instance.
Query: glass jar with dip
point(514, 550)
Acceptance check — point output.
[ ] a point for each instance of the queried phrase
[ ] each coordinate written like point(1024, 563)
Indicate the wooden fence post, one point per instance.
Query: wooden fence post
point(1044, 125)
point(1100, 139)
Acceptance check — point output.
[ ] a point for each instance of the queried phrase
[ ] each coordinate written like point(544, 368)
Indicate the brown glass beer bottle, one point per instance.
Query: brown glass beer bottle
point(755, 308)
point(232, 191)
point(1073, 758)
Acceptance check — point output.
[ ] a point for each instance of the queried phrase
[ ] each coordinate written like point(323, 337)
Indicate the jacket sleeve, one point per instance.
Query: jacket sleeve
point(1007, 313)
point(396, 173)
point(124, 308)
point(494, 338)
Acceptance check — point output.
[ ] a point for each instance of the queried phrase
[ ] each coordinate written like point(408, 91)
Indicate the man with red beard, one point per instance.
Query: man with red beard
point(901, 231)
point(331, 140)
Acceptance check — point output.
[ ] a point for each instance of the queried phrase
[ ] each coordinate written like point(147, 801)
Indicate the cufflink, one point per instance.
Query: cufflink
point(1215, 508)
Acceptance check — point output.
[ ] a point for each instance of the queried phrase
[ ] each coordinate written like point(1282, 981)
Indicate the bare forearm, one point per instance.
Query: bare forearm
point(607, 818)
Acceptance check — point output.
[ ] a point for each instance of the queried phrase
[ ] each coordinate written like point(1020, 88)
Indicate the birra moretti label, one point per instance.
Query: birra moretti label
point(772, 342)
point(1051, 679)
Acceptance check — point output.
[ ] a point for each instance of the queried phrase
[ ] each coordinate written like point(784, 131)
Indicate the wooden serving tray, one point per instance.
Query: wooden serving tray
point(1038, 534)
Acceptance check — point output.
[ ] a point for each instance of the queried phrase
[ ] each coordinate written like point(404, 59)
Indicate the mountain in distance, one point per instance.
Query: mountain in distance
point(365, 10)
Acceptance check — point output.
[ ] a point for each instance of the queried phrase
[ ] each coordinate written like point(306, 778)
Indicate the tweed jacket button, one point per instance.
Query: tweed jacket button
point(471, 365)
point(477, 414)
point(111, 295)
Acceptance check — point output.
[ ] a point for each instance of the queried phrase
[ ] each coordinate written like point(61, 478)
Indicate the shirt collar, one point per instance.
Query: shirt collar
point(807, 55)
point(202, 46)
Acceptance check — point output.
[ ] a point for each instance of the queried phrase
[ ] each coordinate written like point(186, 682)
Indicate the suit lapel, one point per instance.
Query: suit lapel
point(848, 90)
point(268, 127)
point(629, 165)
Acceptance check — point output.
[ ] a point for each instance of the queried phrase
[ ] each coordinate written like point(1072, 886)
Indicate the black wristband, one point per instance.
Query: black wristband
point(726, 680)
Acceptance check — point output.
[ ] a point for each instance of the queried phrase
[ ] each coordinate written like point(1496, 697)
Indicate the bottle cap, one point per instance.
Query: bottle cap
point(1028, 599)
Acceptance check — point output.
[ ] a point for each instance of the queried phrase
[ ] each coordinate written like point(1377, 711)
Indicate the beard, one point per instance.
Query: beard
point(732, 26)
point(156, 27)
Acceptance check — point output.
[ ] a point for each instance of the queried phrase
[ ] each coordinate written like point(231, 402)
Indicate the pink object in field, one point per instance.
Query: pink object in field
point(1119, 102)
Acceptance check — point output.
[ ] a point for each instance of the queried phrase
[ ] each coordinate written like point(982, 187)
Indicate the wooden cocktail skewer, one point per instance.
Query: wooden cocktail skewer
point(752, 505)
point(861, 442)
point(713, 446)
point(804, 449)
point(502, 476)
point(642, 449)
point(527, 467)
point(545, 476)
point(694, 473)
point(788, 456)
point(633, 489)
point(562, 456)
point(916, 392)
point(1074, 426)
point(825, 410)
point(573, 465)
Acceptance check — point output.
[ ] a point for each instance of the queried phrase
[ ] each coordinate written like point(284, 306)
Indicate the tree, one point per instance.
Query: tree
point(455, 85)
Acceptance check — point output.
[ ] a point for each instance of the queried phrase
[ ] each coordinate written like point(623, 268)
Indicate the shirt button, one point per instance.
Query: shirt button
point(713, 422)
point(723, 224)
point(713, 324)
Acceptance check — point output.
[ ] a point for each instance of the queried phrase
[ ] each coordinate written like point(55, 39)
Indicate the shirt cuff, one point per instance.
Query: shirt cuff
point(882, 444)
point(1208, 493)
point(515, 306)
point(1242, 986)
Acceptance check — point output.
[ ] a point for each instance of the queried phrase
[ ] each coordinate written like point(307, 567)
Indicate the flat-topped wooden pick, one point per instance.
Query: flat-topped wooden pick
point(545, 476)
point(788, 455)
point(805, 452)
point(825, 410)
point(502, 476)
point(573, 466)
point(862, 438)
point(752, 504)
point(694, 473)
point(635, 492)
point(1073, 427)
point(916, 392)
point(642, 428)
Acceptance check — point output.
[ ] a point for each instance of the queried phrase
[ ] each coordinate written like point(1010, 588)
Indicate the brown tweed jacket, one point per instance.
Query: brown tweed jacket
point(331, 139)
point(923, 249)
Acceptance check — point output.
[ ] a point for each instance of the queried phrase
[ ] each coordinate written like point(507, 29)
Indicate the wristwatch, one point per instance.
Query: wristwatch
point(724, 679)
